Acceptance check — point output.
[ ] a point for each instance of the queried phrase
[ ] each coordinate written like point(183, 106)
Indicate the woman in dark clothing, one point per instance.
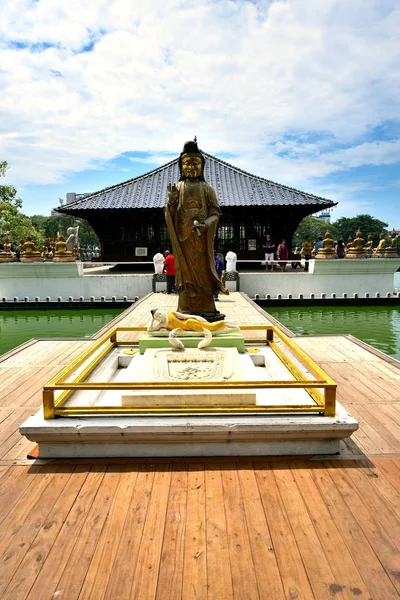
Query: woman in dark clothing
point(340, 249)
point(283, 254)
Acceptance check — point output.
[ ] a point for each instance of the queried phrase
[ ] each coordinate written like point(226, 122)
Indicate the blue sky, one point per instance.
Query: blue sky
point(302, 92)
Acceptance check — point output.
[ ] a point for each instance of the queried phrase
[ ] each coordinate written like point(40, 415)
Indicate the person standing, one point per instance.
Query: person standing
point(269, 248)
point(283, 255)
point(307, 251)
point(339, 249)
point(219, 265)
point(169, 270)
point(318, 245)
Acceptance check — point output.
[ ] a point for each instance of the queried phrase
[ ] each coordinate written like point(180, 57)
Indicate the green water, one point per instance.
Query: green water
point(18, 326)
point(378, 326)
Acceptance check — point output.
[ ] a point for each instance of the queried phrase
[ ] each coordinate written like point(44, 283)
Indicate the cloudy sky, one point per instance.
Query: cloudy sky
point(302, 92)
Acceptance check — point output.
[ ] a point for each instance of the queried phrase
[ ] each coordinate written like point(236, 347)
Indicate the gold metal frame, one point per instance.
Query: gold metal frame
point(73, 376)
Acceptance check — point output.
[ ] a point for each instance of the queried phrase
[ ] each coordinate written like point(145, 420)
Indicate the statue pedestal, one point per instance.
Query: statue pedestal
point(391, 253)
point(356, 253)
point(64, 258)
point(326, 254)
point(231, 339)
point(31, 257)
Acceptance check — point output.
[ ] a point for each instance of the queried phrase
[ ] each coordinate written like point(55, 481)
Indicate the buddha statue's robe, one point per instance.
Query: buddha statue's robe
point(196, 280)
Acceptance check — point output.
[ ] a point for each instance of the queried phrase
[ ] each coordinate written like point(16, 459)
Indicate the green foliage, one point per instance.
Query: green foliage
point(11, 220)
point(368, 225)
point(313, 227)
point(51, 226)
point(344, 228)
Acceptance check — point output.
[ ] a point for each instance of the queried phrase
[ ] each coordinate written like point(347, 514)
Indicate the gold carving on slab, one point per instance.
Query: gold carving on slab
point(190, 366)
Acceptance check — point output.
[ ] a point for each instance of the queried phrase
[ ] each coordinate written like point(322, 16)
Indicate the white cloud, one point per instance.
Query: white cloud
point(282, 85)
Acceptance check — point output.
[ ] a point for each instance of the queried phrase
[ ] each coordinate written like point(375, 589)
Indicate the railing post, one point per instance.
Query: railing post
point(270, 335)
point(330, 401)
point(48, 404)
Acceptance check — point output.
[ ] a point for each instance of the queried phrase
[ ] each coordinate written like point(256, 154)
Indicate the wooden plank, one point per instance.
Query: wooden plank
point(144, 583)
point(320, 575)
point(391, 471)
point(12, 437)
point(20, 449)
point(194, 583)
point(45, 585)
point(383, 424)
point(377, 536)
point(386, 505)
point(170, 578)
point(384, 520)
point(347, 577)
point(79, 561)
point(219, 575)
point(15, 545)
point(100, 568)
point(123, 570)
point(265, 563)
point(366, 380)
point(28, 570)
point(366, 559)
point(24, 395)
point(394, 415)
point(293, 575)
point(8, 374)
point(244, 580)
point(26, 504)
point(372, 442)
point(13, 485)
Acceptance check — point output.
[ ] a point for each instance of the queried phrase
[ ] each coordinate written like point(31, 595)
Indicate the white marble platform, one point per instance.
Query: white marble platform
point(142, 436)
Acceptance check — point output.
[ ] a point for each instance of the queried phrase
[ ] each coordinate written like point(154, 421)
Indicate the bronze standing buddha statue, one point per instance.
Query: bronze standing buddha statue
point(192, 213)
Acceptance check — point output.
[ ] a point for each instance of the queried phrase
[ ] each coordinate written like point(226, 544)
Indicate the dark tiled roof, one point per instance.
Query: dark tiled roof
point(233, 186)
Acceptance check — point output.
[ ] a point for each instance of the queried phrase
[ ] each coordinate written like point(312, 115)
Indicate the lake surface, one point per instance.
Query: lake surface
point(376, 325)
point(18, 326)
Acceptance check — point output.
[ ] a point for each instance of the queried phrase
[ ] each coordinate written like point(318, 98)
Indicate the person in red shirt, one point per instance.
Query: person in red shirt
point(169, 270)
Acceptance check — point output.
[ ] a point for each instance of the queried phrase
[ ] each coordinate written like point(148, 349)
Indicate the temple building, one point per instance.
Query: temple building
point(129, 217)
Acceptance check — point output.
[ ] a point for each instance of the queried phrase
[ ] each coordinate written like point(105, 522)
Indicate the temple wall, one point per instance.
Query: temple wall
point(54, 281)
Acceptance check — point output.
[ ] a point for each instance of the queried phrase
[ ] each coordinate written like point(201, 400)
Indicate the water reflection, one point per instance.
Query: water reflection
point(18, 326)
point(378, 326)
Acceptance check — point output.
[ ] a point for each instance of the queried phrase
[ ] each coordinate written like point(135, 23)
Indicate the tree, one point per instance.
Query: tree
point(8, 193)
point(347, 227)
point(313, 227)
point(12, 221)
point(51, 226)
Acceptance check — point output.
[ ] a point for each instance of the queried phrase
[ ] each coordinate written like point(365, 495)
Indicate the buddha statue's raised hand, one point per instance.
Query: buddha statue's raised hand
point(173, 193)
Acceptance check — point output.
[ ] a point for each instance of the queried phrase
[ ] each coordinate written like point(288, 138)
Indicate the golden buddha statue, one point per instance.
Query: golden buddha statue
point(357, 248)
point(326, 251)
point(307, 247)
point(6, 254)
point(28, 251)
point(349, 244)
point(45, 249)
point(391, 251)
point(61, 254)
point(192, 213)
point(381, 246)
point(369, 246)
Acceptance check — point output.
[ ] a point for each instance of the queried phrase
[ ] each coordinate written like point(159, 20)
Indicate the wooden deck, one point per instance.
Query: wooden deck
point(204, 528)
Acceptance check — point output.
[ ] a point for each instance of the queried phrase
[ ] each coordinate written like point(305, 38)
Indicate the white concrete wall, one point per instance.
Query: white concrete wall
point(328, 277)
point(64, 280)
